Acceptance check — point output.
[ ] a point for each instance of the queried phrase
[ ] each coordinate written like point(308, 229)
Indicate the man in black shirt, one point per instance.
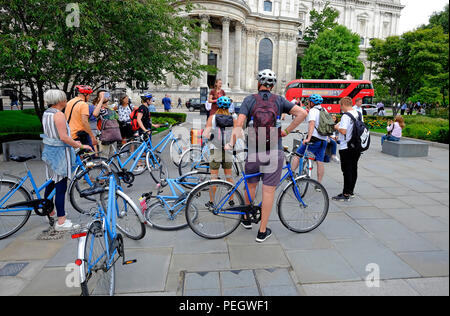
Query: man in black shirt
point(143, 115)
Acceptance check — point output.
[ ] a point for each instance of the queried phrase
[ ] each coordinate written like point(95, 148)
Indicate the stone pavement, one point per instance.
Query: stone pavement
point(398, 221)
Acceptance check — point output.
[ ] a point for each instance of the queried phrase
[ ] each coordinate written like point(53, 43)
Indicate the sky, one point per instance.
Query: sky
point(418, 12)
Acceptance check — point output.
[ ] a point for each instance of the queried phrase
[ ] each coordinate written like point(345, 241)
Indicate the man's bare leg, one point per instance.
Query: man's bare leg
point(267, 204)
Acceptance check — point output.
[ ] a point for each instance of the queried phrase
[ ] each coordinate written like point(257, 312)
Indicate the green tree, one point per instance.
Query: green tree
point(320, 21)
point(42, 45)
point(440, 19)
point(334, 55)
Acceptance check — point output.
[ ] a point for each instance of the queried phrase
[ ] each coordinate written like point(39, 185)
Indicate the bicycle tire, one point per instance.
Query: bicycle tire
point(127, 152)
point(197, 216)
point(290, 209)
point(127, 212)
point(84, 205)
point(191, 179)
point(157, 216)
point(100, 281)
point(156, 166)
point(5, 187)
point(189, 156)
point(177, 147)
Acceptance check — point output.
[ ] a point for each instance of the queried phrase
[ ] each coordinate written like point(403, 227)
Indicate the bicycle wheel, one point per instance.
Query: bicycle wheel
point(99, 278)
point(203, 215)
point(129, 219)
point(159, 216)
point(302, 214)
point(94, 176)
point(157, 168)
point(177, 147)
point(12, 221)
point(189, 159)
point(127, 150)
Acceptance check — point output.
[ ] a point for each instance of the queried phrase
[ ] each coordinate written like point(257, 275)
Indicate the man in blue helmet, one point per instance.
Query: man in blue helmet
point(317, 143)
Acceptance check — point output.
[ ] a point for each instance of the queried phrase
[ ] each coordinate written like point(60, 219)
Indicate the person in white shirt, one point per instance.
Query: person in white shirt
point(358, 107)
point(349, 157)
point(317, 144)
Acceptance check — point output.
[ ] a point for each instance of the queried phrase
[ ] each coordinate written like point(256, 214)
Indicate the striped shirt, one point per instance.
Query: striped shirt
point(50, 130)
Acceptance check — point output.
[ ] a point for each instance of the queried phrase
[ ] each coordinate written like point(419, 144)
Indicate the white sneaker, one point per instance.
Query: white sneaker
point(335, 158)
point(67, 225)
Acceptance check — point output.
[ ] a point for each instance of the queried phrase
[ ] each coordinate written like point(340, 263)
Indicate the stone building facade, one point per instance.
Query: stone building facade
point(248, 35)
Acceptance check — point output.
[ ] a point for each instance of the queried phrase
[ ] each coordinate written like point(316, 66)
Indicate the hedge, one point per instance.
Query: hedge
point(17, 125)
point(417, 126)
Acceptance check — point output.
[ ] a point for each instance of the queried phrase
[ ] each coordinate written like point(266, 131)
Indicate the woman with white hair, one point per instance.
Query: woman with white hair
point(58, 153)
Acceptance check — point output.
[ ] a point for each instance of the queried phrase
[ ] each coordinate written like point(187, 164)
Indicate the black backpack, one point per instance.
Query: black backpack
point(360, 140)
point(222, 135)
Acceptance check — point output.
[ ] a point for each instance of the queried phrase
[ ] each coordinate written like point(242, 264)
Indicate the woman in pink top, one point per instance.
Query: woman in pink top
point(394, 130)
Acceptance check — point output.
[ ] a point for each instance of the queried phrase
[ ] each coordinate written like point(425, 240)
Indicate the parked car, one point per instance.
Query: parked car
point(194, 104)
point(370, 109)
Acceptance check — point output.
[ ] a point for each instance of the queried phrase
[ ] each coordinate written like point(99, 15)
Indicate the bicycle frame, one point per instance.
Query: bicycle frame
point(36, 191)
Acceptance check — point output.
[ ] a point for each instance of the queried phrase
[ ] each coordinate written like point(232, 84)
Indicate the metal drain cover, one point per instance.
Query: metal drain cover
point(12, 269)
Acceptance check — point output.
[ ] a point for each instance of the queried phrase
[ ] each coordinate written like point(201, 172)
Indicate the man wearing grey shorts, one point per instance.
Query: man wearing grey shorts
point(268, 159)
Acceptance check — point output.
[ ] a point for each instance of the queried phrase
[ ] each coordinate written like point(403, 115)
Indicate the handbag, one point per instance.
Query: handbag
point(110, 131)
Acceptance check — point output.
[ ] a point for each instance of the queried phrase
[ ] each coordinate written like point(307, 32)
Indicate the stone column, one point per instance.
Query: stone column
point(237, 57)
point(225, 50)
point(203, 82)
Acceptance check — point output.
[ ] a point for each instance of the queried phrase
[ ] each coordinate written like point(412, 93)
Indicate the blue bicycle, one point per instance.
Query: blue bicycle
point(167, 212)
point(17, 202)
point(99, 245)
point(215, 208)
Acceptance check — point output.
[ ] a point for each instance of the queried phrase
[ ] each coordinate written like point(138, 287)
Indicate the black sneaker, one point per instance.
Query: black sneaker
point(209, 205)
point(341, 198)
point(246, 223)
point(263, 236)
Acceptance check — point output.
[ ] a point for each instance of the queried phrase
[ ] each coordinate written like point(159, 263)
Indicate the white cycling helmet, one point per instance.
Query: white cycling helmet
point(267, 77)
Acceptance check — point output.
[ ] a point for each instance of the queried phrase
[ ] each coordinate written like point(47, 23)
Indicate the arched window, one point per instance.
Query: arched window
point(265, 54)
point(268, 6)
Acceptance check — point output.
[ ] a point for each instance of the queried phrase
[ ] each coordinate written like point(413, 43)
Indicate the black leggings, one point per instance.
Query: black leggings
point(60, 196)
point(349, 167)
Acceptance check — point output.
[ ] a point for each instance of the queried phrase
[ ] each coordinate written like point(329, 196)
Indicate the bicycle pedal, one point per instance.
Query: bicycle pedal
point(127, 262)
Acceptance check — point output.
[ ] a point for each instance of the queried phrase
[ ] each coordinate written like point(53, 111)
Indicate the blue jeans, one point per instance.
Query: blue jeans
point(389, 138)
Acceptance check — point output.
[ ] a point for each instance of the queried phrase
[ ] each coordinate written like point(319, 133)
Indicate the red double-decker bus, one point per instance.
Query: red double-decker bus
point(331, 91)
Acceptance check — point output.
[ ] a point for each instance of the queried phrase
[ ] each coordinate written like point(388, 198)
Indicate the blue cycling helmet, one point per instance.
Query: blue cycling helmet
point(224, 102)
point(146, 96)
point(316, 99)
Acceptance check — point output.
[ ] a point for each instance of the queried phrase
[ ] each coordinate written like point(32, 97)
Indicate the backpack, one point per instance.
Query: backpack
point(222, 135)
point(134, 123)
point(360, 140)
point(326, 123)
point(265, 114)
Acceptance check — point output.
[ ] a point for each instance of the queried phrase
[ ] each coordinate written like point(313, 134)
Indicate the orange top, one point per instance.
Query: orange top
point(81, 108)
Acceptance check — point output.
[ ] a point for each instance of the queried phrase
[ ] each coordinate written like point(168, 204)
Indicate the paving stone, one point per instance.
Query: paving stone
point(187, 242)
point(396, 236)
point(292, 241)
point(418, 200)
point(428, 264)
point(430, 286)
point(11, 286)
point(365, 213)
point(322, 265)
point(31, 249)
point(202, 292)
point(360, 253)
point(388, 203)
point(148, 274)
point(387, 288)
point(258, 256)
point(438, 239)
point(339, 226)
point(280, 290)
point(241, 291)
point(199, 262)
point(416, 221)
point(52, 282)
point(201, 280)
point(273, 277)
point(238, 278)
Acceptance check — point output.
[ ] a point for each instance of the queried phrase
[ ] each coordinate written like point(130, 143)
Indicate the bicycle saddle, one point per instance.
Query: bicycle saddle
point(21, 158)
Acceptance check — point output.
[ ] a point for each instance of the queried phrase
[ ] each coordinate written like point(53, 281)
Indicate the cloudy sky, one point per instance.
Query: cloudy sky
point(417, 12)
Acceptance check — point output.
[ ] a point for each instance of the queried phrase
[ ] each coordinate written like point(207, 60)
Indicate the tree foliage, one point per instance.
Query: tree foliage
point(320, 22)
point(440, 19)
point(115, 41)
point(408, 63)
point(334, 55)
